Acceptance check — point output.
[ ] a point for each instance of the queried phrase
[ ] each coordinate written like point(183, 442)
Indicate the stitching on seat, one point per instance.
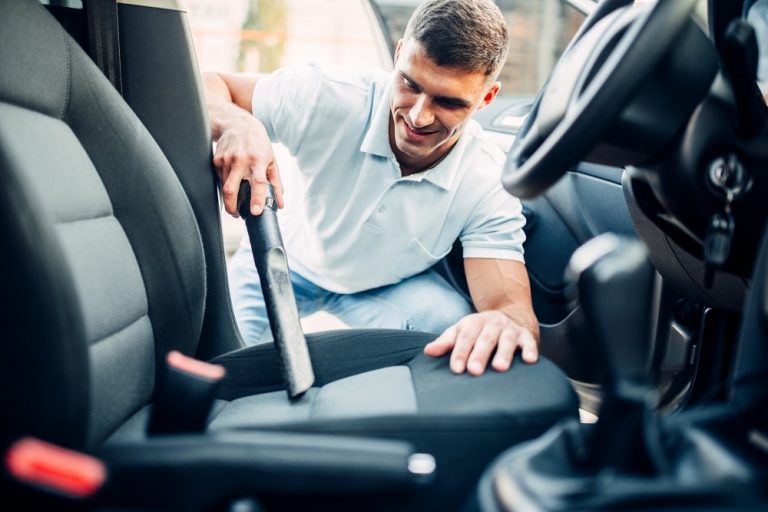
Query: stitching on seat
point(311, 413)
point(68, 94)
point(109, 215)
point(118, 331)
point(413, 382)
point(212, 417)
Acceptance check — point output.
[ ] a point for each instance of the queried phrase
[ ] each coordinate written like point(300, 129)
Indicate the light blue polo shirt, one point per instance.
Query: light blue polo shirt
point(358, 223)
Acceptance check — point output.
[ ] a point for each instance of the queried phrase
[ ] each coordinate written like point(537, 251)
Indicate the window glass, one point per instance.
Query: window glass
point(264, 35)
point(539, 32)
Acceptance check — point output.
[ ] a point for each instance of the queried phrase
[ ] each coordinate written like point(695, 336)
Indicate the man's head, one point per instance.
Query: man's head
point(445, 69)
point(462, 34)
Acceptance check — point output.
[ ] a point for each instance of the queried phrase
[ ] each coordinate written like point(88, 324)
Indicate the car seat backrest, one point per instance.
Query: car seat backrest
point(163, 86)
point(103, 269)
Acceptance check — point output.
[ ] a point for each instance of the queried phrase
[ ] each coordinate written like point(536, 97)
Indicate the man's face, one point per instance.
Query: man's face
point(431, 105)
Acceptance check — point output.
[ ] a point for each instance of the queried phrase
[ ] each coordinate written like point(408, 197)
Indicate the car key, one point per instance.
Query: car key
point(717, 244)
point(729, 176)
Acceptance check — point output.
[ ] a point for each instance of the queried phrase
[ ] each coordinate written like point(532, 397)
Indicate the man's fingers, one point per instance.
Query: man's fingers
point(529, 346)
point(509, 342)
point(230, 190)
point(273, 175)
point(243, 154)
point(221, 166)
point(484, 344)
point(221, 171)
point(442, 344)
point(505, 350)
point(258, 181)
point(234, 168)
point(476, 338)
point(465, 340)
point(258, 196)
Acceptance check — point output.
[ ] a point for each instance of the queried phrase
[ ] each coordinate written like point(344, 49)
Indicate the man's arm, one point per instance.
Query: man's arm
point(243, 148)
point(505, 321)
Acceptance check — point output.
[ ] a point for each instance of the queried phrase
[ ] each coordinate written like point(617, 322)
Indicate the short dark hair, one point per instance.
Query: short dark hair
point(464, 34)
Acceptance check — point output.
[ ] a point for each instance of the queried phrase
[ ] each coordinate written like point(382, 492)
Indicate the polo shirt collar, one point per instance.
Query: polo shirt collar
point(445, 172)
point(376, 142)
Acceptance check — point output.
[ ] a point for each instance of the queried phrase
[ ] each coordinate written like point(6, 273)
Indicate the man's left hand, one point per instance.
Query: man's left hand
point(475, 337)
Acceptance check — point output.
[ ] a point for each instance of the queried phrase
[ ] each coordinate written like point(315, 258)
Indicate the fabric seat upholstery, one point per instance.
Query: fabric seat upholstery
point(103, 273)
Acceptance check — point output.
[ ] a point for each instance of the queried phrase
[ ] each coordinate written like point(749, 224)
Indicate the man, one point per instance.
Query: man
point(395, 171)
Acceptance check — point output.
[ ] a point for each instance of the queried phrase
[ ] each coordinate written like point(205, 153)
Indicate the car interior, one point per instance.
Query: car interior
point(125, 383)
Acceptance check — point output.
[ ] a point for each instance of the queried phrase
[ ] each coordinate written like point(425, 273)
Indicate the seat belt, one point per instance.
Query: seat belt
point(103, 38)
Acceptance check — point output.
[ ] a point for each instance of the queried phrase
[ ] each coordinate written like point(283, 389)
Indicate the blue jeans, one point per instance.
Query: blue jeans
point(425, 302)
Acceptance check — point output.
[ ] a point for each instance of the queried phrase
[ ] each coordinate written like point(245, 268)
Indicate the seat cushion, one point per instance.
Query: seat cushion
point(359, 396)
point(421, 394)
point(377, 383)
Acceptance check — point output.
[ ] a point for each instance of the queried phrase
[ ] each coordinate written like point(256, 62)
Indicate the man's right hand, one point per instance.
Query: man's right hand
point(244, 152)
point(243, 148)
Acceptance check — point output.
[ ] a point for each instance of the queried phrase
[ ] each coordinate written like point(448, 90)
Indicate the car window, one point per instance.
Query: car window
point(539, 31)
point(264, 35)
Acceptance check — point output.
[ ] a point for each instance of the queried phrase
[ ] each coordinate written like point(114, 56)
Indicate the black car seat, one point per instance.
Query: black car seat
point(103, 273)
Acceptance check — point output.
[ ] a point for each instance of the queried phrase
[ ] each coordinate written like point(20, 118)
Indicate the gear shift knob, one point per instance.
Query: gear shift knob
point(613, 279)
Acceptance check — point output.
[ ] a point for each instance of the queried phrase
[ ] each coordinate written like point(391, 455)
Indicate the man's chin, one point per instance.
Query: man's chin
point(413, 150)
point(414, 153)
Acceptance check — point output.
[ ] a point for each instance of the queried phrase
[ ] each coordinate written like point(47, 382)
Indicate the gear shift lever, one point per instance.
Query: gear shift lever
point(632, 459)
point(614, 281)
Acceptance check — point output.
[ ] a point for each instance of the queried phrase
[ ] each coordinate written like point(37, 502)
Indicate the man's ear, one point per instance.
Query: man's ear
point(397, 49)
point(490, 95)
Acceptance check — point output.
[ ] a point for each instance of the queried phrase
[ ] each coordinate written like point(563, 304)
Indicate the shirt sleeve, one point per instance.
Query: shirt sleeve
point(495, 228)
point(285, 102)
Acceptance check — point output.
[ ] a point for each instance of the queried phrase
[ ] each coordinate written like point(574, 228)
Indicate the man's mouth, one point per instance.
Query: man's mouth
point(416, 133)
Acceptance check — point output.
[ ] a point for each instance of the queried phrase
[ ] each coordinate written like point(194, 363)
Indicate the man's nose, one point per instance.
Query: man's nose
point(421, 113)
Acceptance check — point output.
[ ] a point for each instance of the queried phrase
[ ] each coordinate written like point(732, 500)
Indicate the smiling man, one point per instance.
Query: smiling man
point(394, 171)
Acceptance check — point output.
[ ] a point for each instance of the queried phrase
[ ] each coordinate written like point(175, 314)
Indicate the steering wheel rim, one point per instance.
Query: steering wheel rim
point(615, 71)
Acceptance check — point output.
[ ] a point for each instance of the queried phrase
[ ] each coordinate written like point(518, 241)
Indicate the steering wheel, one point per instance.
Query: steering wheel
point(588, 89)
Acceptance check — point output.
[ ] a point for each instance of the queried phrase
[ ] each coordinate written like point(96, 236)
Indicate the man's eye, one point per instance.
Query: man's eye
point(450, 105)
point(409, 85)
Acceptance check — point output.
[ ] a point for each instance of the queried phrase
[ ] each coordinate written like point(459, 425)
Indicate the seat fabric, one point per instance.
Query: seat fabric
point(103, 272)
point(390, 389)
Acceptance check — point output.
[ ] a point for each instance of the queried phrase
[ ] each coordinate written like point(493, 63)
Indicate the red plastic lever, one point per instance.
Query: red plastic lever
point(179, 361)
point(50, 466)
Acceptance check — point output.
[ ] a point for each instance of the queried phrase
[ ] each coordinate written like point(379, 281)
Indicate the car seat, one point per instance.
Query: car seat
point(103, 273)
